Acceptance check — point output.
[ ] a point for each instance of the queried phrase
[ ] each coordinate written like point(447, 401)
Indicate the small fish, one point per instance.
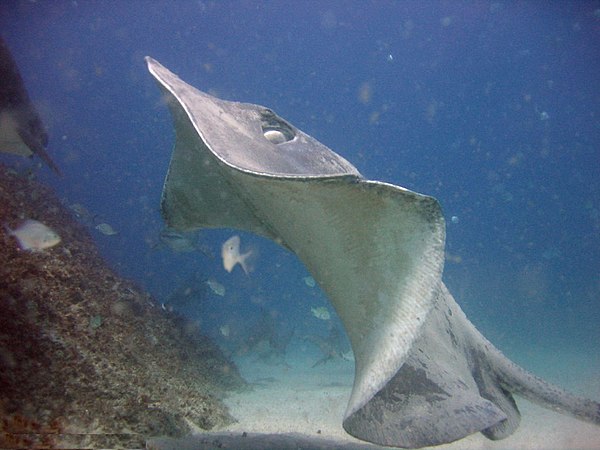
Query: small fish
point(34, 236)
point(321, 313)
point(106, 229)
point(348, 355)
point(231, 255)
point(177, 242)
point(225, 330)
point(82, 213)
point(309, 281)
point(181, 242)
point(216, 287)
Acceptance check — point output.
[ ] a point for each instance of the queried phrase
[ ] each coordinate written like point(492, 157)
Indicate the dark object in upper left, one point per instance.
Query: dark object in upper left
point(21, 129)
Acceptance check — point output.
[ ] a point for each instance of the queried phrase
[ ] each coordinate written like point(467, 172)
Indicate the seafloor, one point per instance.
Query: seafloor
point(87, 359)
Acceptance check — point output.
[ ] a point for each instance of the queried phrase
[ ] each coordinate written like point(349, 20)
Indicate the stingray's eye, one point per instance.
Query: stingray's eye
point(275, 136)
point(275, 129)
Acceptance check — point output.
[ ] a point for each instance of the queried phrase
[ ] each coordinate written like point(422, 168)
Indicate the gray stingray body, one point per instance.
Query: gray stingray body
point(454, 382)
point(21, 129)
point(423, 375)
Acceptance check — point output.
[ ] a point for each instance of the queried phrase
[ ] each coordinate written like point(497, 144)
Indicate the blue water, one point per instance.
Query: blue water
point(491, 107)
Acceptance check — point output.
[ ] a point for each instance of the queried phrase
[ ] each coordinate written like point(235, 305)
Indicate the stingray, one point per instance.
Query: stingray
point(424, 375)
point(21, 129)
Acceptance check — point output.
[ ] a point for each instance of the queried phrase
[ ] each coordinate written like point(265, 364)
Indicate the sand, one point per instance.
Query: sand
point(312, 402)
point(298, 402)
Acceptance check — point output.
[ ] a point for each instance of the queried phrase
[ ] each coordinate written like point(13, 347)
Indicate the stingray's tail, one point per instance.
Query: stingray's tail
point(498, 379)
point(518, 381)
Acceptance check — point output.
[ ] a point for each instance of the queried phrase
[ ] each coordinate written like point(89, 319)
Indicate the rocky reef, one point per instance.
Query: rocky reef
point(87, 359)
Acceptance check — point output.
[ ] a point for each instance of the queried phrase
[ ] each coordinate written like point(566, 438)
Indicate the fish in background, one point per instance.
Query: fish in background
point(182, 242)
point(232, 256)
point(321, 313)
point(21, 129)
point(332, 346)
point(106, 229)
point(309, 281)
point(176, 241)
point(34, 236)
point(193, 290)
point(267, 339)
point(225, 330)
point(216, 287)
point(83, 214)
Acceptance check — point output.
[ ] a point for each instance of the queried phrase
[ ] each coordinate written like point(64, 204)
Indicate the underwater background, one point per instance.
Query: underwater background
point(491, 107)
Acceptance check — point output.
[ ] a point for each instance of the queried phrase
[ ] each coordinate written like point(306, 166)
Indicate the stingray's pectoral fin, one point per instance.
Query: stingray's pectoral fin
point(455, 383)
point(491, 388)
point(414, 411)
point(449, 387)
point(433, 399)
point(21, 129)
point(37, 148)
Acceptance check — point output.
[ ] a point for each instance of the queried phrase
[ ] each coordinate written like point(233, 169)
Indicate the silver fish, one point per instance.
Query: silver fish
point(216, 287)
point(106, 229)
point(232, 256)
point(34, 236)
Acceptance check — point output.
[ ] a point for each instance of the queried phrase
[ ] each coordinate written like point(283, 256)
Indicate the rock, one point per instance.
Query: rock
point(66, 383)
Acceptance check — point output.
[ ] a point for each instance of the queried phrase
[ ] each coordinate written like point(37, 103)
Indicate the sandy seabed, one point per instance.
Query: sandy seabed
point(299, 399)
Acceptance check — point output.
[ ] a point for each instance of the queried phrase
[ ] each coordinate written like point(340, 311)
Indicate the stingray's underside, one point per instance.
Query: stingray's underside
point(424, 374)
